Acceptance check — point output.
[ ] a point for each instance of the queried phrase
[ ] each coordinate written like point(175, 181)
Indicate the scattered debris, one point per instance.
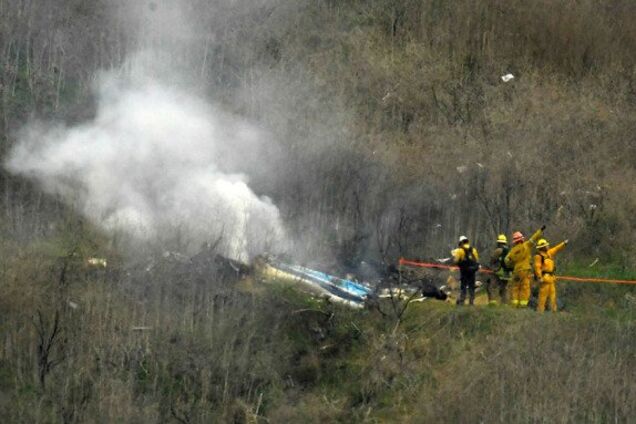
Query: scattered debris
point(349, 291)
point(397, 292)
point(336, 289)
point(507, 77)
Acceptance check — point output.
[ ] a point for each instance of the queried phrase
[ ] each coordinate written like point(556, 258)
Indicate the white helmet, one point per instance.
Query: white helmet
point(463, 239)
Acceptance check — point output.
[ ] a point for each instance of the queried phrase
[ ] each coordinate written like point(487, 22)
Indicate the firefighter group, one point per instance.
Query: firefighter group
point(514, 268)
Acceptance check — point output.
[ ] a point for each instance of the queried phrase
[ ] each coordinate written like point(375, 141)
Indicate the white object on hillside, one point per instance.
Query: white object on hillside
point(97, 262)
point(507, 77)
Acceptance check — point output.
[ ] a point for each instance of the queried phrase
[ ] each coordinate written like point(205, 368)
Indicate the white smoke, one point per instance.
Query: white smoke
point(149, 164)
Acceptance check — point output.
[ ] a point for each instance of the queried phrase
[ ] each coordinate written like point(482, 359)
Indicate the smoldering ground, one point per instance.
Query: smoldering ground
point(156, 163)
point(148, 165)
point(159, 165)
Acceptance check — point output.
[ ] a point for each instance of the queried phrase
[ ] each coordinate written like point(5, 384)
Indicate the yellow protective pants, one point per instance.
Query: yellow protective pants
point(520, 288)
point(547, 291)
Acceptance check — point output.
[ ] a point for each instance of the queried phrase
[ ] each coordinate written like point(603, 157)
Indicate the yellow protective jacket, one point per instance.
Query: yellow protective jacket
point(459, 254)
point(519, 256)
point(544, 262)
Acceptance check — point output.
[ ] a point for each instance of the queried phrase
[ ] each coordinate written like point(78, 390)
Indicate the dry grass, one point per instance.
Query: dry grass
point(207, 351)
point(375, 106)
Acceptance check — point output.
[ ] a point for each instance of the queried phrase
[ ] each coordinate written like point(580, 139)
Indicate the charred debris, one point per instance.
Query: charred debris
point(356, 287)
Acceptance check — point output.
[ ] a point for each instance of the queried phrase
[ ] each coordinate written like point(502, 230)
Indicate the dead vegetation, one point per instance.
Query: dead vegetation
point(178, 344)
point(391, 129)
point(394, 134)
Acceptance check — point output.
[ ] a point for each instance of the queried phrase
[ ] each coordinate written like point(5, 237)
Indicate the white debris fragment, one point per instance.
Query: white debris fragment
point(97, 262)
point(509, 154)
point(73, 305)
point(507, 77)
point(593, 263)
point(461, 169)
point(419, 299)
point(593, 206)
point(480, 165)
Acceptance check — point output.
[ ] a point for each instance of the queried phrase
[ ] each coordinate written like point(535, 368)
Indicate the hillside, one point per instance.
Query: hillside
point(164, 342)
point(389, 118)
point(155, 135)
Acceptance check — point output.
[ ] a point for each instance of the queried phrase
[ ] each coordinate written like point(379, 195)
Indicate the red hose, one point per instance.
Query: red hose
point(419, 264)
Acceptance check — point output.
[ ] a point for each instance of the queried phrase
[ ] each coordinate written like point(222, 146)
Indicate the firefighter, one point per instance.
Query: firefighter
point(467, 258)
point(501, 271)
point(519, 259)
point(544, 269)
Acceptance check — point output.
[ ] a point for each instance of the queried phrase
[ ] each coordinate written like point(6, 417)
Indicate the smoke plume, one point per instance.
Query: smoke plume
point(150, 164)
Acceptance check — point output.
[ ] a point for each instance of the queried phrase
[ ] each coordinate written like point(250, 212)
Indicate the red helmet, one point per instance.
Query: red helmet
point(517, 237)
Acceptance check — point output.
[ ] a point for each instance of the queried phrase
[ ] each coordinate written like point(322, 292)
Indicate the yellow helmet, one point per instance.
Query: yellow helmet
point(501, 238)
point(543, 243)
